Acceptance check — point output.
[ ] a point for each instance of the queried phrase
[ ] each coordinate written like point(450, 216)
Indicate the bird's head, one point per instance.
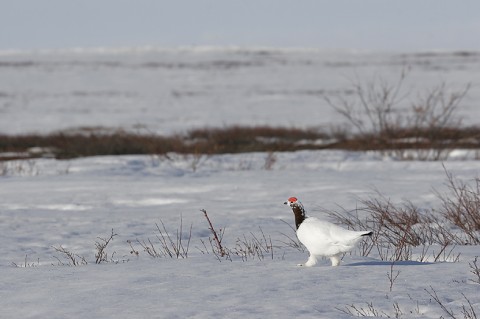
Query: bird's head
point(292, 202)
point(297, 209)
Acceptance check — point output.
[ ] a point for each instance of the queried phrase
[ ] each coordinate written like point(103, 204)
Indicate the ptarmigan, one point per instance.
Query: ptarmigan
point(322, 238)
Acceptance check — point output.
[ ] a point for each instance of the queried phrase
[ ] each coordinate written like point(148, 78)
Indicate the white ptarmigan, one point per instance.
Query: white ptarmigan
point(322, 238)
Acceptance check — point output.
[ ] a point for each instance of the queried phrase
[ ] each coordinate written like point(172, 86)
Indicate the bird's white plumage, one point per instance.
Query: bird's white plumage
point(324, 239)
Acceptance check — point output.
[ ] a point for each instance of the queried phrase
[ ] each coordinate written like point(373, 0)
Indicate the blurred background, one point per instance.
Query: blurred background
point(342, 24)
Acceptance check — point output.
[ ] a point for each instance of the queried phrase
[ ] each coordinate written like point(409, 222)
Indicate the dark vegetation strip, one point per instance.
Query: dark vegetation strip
point(236, 139)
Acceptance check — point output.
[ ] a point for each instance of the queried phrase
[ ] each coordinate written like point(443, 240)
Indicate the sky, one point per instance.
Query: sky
point(407, 25)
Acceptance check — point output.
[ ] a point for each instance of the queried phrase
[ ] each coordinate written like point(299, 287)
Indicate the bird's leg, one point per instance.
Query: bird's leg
point(335, 260)
point(312, 261)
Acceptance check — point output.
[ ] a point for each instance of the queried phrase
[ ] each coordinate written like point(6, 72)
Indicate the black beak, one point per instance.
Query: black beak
point(285, 203)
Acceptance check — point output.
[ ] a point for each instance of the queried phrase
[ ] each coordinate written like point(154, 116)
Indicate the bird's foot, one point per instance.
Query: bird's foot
point(335, 260)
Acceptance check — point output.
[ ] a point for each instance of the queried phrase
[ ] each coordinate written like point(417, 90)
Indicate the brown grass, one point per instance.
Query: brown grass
point(237, 139)
point(234, 139)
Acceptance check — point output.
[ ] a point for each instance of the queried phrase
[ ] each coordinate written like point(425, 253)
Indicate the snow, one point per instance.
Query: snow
point(167, 90)
point(47, 203)
point(130, 194)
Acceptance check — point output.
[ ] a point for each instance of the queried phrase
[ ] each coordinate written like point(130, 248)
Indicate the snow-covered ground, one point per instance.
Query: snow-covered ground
point(46, 203)
point(164, 91)
point(71, 203)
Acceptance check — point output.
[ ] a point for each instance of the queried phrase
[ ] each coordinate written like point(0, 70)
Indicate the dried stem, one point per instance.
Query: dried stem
point(217, 240)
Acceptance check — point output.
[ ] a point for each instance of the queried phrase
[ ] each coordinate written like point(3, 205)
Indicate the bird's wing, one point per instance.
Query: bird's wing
point(334, 234)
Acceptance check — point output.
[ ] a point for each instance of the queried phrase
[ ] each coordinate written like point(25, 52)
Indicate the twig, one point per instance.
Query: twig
point(433, 294)
point(101, 246)
point(475, 269)
point(217, 240)
point(391, 276)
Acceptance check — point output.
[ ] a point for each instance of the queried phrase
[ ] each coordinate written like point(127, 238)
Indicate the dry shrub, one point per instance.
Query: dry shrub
point(166, 244)
point(241, 139)
point(216, 241)
point(253, 247)
point(468, 311)
point(90, 143)
point(475, 270)
point(370, 310)
point(71, 258)
point(398, 228)
point(246, 248)
point(426, 130)
point(292, 240)
point(235, 139)
point(406, 143)
point(26, 263)
point(101, 244)
point(462, 207)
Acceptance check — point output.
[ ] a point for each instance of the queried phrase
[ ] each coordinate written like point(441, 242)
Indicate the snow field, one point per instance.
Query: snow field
point(131, 193)
point(167, 91)
point(46, 203)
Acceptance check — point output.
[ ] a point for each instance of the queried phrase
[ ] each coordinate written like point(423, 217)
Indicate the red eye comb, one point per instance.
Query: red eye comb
point(292, 199)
